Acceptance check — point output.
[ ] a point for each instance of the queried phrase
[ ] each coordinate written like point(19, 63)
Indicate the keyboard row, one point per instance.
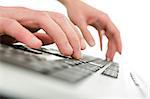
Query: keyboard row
point(66, 69)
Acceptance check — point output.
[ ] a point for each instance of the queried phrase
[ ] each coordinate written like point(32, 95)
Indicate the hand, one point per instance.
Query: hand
point(19, 24)
point(83, 15)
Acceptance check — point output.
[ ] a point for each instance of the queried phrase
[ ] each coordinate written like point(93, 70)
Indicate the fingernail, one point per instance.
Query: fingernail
point(69, 49)
point(108, 59)
point(35, 43)
point(92, 43)
point(78, 55)
point(83, 44)
point(120, 52)
point(34, 40)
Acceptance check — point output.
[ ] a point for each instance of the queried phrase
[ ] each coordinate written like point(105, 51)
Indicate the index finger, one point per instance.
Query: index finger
point(113, 33)
point(53, 29)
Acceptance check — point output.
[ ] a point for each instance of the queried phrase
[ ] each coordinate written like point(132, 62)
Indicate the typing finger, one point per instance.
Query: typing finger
point(111, 50)
point(14, 29)
point(46, 39)
point(86, 34)
point(54, 30)
point(71, 34)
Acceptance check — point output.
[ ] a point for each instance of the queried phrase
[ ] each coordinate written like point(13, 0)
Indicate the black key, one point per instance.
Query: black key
point(51, 51)
point(19, 59)
point(113, 67)
point(34, 63)
point(69, 61)
point(110, 73)
point(73, 74)
point(5, 49)
point(90, 67)
point(30, 63)
point(21, 47)
point(112, 70)
point(115, 64)
point(99, 62)
point(38, 58)
point(14, 57)
point(87, 58)
point(47, 67)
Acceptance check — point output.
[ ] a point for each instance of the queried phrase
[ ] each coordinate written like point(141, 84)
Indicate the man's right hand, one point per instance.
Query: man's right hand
point(18, 23)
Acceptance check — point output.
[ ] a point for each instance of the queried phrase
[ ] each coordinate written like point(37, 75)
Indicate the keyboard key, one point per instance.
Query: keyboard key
point(30, 62)
point(110, 73)
point(112, 70)
point(69, 61)
point(73, 74)
point(90, 67)
point(115, 68)
point(99, 62)
point(86, 58)
point(21, 47)
point(47, 67)
point(51, 51)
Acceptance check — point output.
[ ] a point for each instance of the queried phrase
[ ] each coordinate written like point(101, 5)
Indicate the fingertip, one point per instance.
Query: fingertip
point(120, 50)
point(34, 43)
point(66, 50)
point(77, 54)
point(110, 55)
point(91, 43)
point(83, 45)
point(109, 58)
point(46, 39)
point(87, 35)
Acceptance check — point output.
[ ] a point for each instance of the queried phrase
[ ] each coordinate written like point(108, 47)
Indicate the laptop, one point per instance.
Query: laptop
point(47, 74)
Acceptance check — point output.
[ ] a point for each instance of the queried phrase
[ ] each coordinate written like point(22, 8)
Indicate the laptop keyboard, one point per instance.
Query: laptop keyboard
point(66, 68)
point(112, 70)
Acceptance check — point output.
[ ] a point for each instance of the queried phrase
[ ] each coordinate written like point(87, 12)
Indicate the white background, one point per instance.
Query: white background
point(132, 17)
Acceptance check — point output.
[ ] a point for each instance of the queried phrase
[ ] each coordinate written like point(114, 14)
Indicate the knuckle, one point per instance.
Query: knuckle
point(42, 14)
point(76, 45)
point(105, 20)
point(105, 17)
point(8, 22)
point(60, 17)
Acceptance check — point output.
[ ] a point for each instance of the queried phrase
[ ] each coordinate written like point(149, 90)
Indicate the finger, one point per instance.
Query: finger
point(111, 50)
point(80, 36)
point(15, 30)
point(54, 31)
point(101, 38)
point(71, 34)
point(113, 33)
point(82, 40)
point(86, 34)
point(46, 39)
point(100, 32)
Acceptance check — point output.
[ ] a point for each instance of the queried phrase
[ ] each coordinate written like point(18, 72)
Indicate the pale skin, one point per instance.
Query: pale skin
point(21, 24)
